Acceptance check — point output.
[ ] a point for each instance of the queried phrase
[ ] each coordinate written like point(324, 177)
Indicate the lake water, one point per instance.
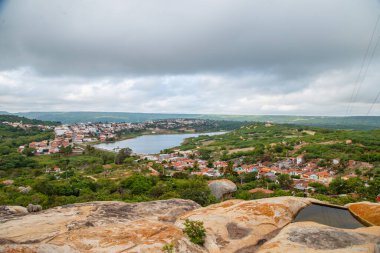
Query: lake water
point(151, 144)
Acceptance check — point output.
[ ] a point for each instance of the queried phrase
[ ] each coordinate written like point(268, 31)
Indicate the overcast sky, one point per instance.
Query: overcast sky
point(198, 56)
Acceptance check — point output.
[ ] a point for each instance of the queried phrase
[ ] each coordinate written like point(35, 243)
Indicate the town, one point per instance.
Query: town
point(72, 137)
point(260, 158)
point(302, 173)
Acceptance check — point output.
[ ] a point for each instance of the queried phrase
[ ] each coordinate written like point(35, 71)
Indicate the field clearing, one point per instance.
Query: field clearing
point(206, 143)
point(240, 150)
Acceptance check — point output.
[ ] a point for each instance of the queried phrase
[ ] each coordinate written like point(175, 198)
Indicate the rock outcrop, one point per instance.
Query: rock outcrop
point(9, 212)
point(312, 237)
point(366, 211)
point(99, 227)
point(24, 190)
point(33, 208)
point(222, 187)
point(239, 226)
point(234, 226)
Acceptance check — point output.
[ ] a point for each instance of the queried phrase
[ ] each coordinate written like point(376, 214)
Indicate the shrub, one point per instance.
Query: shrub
point(168, 248)
point(195, 231)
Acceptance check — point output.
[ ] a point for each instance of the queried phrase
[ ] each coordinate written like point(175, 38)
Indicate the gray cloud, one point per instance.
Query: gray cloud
point(254, 57)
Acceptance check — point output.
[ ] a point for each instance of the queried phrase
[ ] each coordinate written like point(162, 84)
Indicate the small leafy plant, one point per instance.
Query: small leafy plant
point(195, 231)
point(168, 248)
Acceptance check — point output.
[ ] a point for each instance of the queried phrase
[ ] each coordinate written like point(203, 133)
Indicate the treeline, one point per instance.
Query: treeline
point(74, 188)
point(24, 120)
point(272, 142)
point(13, 137)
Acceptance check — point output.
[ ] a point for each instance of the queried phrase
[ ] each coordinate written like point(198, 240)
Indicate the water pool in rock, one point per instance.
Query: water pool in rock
point(331, 216)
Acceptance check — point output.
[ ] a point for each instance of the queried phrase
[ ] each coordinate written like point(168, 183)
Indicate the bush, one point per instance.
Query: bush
point(195, 231)
point(137, 184)
point(243, 195)
point(168, 248)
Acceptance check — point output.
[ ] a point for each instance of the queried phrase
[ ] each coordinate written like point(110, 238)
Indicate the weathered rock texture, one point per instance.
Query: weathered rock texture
point(234, 226)
point(222, 187)
point(9, 212)
point(367, 211)
point(312, 237)
point(99, 227)
point(242, 226)
point(33, 208)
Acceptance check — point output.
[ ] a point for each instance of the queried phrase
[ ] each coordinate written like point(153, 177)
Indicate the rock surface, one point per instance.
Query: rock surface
point(9, 212)
point(241, 226)
point(33, 208)
point(99, 227)
point(367, 211)
point(221, 187)
point(234, 226)
point(23, 189)
point(312, 237)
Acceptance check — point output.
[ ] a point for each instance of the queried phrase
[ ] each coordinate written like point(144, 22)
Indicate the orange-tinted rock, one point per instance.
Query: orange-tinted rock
point(367, 211)
point(301, 237)
point(99, 227)
point(235, 224)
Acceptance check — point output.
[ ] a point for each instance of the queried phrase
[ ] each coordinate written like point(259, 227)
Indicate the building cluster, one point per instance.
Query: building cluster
point(71, 134)
point(301, 171)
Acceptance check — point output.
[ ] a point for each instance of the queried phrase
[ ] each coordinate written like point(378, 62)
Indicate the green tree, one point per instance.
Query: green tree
point(285, 181)
point(137, 184)
point(319, 188)
point(28, 151)
point(338, 186)
point(122, 155)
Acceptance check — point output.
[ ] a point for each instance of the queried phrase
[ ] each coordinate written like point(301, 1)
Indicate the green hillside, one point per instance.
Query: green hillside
point(355, 122)
point(271, 142)
point(25, 120)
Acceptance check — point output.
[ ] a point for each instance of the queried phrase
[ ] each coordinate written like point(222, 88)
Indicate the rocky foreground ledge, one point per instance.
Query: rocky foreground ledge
point(232, 226)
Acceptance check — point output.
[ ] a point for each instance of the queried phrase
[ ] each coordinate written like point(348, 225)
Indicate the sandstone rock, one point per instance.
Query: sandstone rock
point(7, 182)
point(241, 226)
point(221, 187)
point(235, 226)
point(301, 237)
point(99, 227)
point(33, 208)
point(9, 212)
point(23, 189)
point(367, 211)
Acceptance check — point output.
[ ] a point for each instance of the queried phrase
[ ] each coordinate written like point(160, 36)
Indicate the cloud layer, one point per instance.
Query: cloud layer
point(206, 56)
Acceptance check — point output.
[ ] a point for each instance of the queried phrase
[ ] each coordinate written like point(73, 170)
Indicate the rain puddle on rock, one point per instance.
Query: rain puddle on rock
point(331, 216)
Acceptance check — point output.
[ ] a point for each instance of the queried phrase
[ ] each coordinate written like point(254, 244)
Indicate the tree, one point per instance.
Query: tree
point(204, 154)
point(358, 172)
point(319, 188)
point(249, 177)
point(338, 186)
point(285, 181)
point(123, 153)
point(28, 151)
point(137, 184)
point(195, 189)
point(66, 150)
point(229, 170)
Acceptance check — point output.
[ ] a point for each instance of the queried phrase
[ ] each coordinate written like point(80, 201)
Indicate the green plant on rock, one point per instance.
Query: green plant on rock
point(195, 231)
point(168, 248)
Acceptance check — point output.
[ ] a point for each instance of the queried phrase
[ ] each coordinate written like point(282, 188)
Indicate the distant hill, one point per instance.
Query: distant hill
point(355, 122)
point(15, 118)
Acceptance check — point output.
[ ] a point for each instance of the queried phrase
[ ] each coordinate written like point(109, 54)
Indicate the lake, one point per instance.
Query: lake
point(151, 144)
